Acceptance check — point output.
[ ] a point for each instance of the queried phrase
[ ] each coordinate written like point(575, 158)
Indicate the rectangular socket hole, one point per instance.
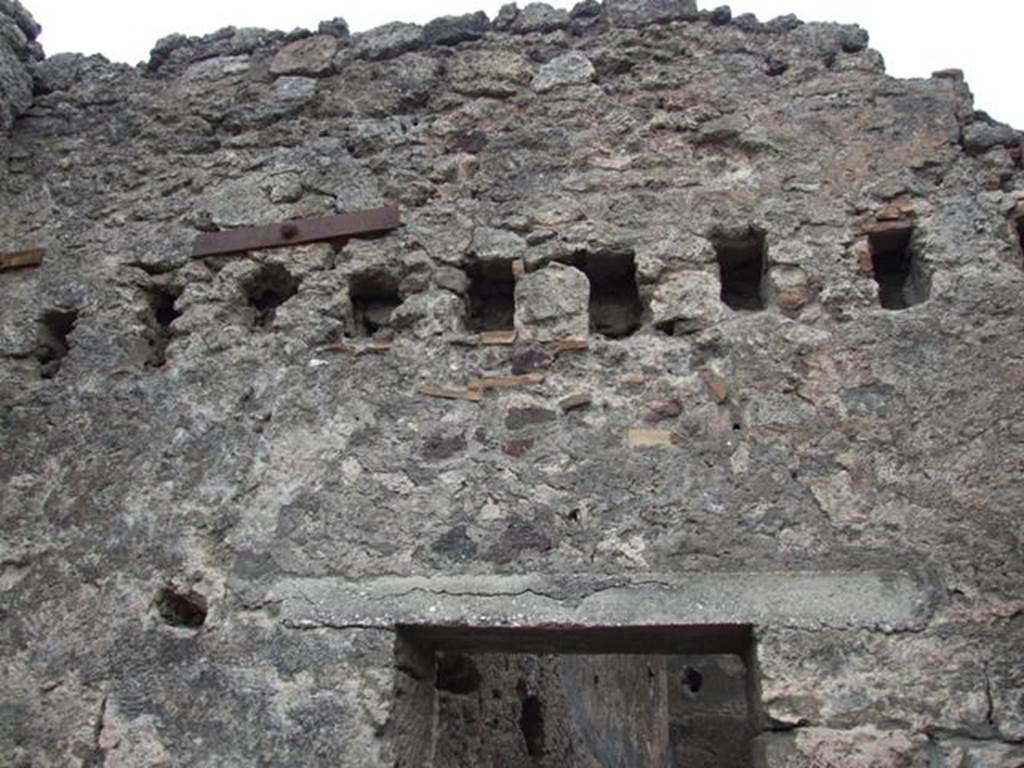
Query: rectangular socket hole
point(53, 340)
point(741, 263)
point(374, 297)
point(492, 290)
point(896, 269)
point(558, 697)
point(162, 314)
point(1020, 234)
point(615, 308)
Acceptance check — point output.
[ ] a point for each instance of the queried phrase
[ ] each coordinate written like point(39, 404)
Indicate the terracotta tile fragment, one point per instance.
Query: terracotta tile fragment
point(650, 438)
point(448, 393)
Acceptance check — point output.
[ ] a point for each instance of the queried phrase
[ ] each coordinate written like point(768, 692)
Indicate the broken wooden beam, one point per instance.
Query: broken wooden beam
point(31, 257)
point(296, 232)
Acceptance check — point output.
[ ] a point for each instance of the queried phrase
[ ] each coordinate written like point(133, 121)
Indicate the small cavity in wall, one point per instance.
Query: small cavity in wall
point(492, 288)
point(896, 266)
point(53, 340)
point(742, 261)
point(374, 297)
point(181, 608)
point(569, 698)
point(267, 290)
point(1019, 227)
point(161, 301)
point(615, 308)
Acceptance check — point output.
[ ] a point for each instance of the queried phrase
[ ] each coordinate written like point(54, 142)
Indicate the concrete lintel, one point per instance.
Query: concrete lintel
point(889, 602)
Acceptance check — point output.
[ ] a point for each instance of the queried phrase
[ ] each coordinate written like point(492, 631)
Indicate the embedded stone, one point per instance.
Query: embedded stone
point(517, 418)
point(216, 68)
point(290, 88)
point(553, 303)
point(571, 68)
point(686, 302)
point(981, 137)
point(452, 30)
point(388, 41)
point(494, 73)
point(787, 287)
point(661, 410)
point(539, 17)
point(337, 27)
point(431, 313)
point(638, 13)
point(312, 56)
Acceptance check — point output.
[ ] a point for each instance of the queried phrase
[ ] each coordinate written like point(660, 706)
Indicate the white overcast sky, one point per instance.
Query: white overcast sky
point(916, 37)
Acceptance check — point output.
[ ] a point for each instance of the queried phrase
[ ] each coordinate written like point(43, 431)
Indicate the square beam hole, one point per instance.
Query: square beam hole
point(615, 308)
point(492, 291)
point(374, 297)
point(741, 264)
point(1019, 226)
point(896, 268)
point(576, 698)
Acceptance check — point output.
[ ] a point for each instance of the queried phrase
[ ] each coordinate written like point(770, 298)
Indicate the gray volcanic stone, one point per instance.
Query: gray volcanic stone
point(571, 68)
point(982, 136)
point(22, 17)
point(431, 313)
point(389, 40)
point(491, 73)
point(337, 27)
point(312, 56)
point(15, 83)
point(637, 13)
point(553, 303)
point(539, 17)
point(451, 30)
point(293, 88)
point(216, 68)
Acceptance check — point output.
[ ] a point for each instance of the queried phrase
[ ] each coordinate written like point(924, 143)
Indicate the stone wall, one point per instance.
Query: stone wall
point(765, 380)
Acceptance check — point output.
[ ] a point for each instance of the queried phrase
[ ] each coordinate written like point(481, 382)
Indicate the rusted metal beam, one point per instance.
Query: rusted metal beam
point(297, 232)
point(32, 257)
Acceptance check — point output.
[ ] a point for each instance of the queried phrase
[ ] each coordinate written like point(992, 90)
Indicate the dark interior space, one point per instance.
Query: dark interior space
point(1020, 236)
point(492, 290)
point(741, 263)
point(374, 297)
point(162, 314)
point(895, 267)
point(52, 340)
point(181, 609)
point(267, 290)
point(615, 308)
point(582, 699)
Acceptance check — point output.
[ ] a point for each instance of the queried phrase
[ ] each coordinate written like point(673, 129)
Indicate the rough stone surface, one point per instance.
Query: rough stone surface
point(569, 69)
point(635, 13)
point(389, 40)
point(539, 17)
point(451, 30)
point(310, 56)
point(233, 489)
point(499, 74)
point(552, 304)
